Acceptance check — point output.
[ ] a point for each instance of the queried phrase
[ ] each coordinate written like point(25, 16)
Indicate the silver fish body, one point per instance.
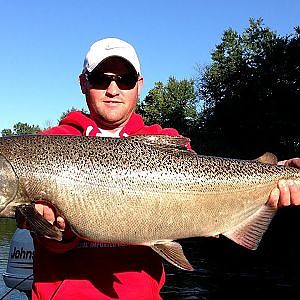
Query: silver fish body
point(145, 190)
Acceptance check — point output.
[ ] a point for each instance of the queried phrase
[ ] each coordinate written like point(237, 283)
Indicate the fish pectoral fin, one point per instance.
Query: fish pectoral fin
point(268, 158)
point(250, 232)
point(173, 253)
point(37, 223)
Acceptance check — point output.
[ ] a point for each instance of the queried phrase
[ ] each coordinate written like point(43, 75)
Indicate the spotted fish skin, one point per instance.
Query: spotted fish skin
point(138, 190)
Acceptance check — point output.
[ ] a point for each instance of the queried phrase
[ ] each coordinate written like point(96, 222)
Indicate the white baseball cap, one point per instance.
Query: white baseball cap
point(108, 47)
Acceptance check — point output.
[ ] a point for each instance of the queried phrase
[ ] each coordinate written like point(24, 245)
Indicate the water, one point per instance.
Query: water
point(224, 270)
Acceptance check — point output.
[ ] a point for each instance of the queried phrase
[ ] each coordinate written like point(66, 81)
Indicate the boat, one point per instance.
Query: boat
point(19, 270)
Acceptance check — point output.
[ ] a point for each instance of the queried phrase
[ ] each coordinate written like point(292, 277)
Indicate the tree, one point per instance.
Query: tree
point(6, 132)
point(20, 129)
point(171, 105)
point(25, 128)
point(65, 113)
point(251, 93)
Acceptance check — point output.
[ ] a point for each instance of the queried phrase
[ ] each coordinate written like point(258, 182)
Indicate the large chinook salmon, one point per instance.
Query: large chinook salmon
point(140, 190)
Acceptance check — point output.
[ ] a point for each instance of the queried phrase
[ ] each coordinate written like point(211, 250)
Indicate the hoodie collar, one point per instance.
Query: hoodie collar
point(88, 127)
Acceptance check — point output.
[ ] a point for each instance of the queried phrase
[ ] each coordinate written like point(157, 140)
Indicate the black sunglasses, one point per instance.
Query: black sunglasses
point(102, 81)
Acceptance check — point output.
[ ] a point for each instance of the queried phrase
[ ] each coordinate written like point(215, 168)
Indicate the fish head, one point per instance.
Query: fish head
point(9, 183)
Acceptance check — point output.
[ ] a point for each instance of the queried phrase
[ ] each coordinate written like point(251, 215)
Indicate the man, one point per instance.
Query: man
point(74, 269)
point(111, 81)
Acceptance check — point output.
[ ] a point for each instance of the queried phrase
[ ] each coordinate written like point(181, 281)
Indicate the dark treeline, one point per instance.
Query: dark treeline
point(251, 94)
point(249, 97)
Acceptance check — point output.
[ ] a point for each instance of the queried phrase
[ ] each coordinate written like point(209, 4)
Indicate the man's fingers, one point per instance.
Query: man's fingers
point(295, 162)
point(285, 197)
point(282, 162)
point(61, 223)
point(64, 226)
point(294, 187)
point(49, 214)
point(274, 197)
point(40, 208)
point(46, 211)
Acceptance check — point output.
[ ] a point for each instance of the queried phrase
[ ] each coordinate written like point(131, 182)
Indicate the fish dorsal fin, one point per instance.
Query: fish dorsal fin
point(249, 233)
point(164, 141)
point(268, 158)
point(173, 253)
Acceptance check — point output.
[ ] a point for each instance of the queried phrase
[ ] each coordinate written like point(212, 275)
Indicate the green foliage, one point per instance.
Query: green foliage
point(173, 104)
point(25, 128)
point(21, 129)
point(251, 93)
point(6, 132)
point(65, 113)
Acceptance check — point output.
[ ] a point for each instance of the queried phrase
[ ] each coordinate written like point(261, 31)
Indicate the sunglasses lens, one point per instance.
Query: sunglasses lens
point(102, 81)
point(126, 82)
point(98, 81)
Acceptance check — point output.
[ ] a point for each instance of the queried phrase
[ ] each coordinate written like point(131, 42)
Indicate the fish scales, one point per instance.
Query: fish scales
point(135, 191)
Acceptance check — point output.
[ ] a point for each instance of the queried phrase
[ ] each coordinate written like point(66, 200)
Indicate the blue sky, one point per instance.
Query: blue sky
point(43, 44)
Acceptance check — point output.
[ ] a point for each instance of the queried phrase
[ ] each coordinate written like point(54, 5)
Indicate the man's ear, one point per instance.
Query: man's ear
point(140, 84)
point(84, 84)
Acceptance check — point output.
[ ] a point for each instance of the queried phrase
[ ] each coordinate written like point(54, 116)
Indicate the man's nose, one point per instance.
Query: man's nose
point(113, 88)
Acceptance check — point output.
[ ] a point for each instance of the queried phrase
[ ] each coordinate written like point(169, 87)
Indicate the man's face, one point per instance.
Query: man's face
point(112, 106)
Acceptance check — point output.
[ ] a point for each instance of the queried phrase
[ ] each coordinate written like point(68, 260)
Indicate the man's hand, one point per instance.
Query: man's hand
point(288, 191)
point(48, 212)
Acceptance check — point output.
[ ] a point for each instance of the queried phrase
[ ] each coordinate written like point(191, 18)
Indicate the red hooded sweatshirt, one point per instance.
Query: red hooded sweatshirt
point(85, 270)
